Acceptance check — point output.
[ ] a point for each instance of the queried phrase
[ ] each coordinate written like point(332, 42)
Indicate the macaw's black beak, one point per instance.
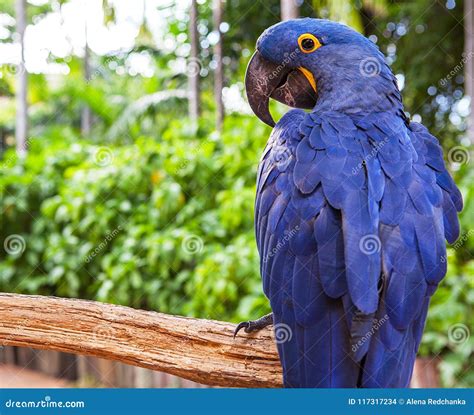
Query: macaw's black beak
point(264, 79)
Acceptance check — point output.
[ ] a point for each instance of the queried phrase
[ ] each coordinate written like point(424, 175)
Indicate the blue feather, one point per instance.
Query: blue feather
point(392, 207)
point(328, 234)
point(315, 209)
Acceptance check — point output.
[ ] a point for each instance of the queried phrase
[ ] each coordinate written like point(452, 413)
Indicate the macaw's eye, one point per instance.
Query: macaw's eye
point(308, 43)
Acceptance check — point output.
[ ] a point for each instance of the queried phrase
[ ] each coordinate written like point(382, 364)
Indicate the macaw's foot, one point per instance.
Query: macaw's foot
point(254, 325)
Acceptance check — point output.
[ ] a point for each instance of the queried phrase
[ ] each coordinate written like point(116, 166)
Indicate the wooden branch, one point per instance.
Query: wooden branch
point(200, 350)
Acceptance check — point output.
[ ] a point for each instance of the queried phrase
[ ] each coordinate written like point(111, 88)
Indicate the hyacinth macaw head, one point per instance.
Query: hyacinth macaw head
point(301, 61)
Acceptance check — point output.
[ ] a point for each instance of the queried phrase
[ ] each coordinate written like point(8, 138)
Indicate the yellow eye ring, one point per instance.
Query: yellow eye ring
point(308, 43)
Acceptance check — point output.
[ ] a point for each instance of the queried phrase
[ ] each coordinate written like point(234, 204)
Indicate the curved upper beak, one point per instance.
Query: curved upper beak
point(264, 79)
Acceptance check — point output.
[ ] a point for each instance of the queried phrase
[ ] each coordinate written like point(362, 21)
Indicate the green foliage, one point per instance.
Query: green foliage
point(158, 224)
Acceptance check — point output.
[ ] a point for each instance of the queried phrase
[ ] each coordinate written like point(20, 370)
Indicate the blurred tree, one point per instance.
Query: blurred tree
point(423, 42)
point(468, 57)
point(217, 10)
point(86, 117)
point(194, 64)
point(21, 130)
point(289, 9)
point(355, 13)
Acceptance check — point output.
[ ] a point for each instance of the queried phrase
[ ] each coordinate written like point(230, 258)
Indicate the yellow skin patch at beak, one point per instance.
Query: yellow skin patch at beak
point(309, 76)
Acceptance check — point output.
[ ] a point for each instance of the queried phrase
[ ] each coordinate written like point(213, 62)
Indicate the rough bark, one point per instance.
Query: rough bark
point(200, 350)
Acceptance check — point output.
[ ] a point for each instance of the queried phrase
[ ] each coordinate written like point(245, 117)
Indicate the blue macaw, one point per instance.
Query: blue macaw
point(354, 203)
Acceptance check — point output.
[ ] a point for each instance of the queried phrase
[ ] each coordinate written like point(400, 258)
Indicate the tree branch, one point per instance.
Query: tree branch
point(200, 350)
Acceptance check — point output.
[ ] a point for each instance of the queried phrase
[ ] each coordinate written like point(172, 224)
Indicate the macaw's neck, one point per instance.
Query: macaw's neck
point(357, 86)
point(360, 95)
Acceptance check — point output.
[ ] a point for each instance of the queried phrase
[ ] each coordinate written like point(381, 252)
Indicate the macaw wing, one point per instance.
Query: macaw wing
point(341, 200)
point(418, 211)
point(301, 209)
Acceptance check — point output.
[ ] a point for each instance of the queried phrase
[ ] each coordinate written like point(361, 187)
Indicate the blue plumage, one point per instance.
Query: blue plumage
point(353, 206)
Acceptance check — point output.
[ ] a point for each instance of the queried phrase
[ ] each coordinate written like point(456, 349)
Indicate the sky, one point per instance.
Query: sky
point(63, 31)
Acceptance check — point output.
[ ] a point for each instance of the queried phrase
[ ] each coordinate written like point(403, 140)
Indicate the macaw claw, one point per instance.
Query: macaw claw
point(254, 325)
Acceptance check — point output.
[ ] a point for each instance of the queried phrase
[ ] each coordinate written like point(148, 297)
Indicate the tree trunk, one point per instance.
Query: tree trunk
point(194, 65)
point(289, 9)
point(86, 120)
point(468, 66)
point(143, 378)
point(426, 373)
point(21, 130)
point(217, 10)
